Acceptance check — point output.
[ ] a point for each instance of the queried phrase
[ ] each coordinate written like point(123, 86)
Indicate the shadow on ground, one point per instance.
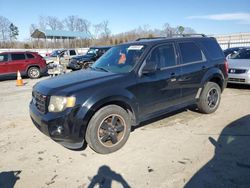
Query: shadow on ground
point(230, 166)
point(238, 86)
point(104, 178)
point(8, 179)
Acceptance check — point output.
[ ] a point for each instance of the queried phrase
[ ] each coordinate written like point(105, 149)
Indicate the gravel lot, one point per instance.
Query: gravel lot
point(181, 149)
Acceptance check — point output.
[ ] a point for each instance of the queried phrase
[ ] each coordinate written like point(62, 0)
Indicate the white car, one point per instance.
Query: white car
point(239, 67)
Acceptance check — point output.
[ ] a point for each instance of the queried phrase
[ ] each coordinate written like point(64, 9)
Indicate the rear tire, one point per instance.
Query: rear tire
point(210, 98)
point(34, 72)
point(109, 129)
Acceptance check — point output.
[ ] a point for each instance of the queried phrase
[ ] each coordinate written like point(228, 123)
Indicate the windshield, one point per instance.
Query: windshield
point(92, 51)
point(120, 59)
point(242, 54)
point(56, 53)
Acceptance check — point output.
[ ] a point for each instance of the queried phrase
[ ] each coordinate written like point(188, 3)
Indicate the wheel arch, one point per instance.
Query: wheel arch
point(32, 65)
point(216, 76)
point(120, 101)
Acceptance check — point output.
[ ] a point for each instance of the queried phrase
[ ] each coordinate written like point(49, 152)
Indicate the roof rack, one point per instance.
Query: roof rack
point(149, 38)
point(175, 35)
point(189, 35)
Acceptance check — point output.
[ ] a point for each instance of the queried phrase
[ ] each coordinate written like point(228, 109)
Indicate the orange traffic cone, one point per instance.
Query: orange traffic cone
point(19, 81)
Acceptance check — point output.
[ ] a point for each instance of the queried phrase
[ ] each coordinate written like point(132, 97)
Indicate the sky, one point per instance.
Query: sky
point(204, 16)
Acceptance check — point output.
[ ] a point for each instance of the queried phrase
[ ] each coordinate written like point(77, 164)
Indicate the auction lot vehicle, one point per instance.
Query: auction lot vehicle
point(129, 84)
point(29, 64)
point(231, 51)
point(64, 54)
point(239, 67)
point(84, 61)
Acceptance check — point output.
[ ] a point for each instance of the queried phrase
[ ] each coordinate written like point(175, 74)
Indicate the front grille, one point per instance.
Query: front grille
point(40, 101)
point(237, 71)
point(237, 80)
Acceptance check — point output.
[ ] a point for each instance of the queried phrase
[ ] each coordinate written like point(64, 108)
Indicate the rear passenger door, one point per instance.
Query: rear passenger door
point(193, 67)
point(18, 63)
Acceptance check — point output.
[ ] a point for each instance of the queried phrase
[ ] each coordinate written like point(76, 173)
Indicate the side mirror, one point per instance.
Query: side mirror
point(149, 68)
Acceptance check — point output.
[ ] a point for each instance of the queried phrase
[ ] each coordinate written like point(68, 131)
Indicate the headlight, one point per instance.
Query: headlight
point(58, 103)
point(78, 61)
point(248, 71)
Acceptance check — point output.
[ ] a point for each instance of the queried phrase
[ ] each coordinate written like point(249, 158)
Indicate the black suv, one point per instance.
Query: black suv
point(84, 61)
point(129, 84)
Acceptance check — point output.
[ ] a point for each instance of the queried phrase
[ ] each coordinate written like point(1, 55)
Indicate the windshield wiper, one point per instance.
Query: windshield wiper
point(99, 68)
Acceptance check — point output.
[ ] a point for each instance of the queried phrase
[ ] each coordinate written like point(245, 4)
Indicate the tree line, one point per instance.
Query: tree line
point(99, 34)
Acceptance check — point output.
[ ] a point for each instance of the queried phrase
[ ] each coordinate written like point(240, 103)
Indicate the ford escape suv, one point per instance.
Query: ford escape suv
point(129, 84)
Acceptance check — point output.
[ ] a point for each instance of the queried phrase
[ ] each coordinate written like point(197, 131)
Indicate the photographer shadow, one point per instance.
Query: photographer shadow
point(8, 179)
point(230, 166)
point(104, 178)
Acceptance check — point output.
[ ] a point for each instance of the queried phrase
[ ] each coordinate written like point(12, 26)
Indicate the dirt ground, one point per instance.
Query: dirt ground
point(185, 148)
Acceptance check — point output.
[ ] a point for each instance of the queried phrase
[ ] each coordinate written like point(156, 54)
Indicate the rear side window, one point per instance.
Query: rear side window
point(213, 48)
point(72, 52)
point(30, 56)
point(164, 56)
point(17, 57)
point(190, 52)
point(3, 58)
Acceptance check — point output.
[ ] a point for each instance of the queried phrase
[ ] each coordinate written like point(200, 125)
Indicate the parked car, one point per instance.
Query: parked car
point(28, 63)
point(239, 67)
point(64, 55)
point(84, 61)
point(231, 51)
point(129, 84)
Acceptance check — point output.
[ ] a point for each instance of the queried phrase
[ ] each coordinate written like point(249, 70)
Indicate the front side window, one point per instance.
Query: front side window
point(190, 52)
point(3, 58)
point(120, 59)
point(163, 56)
point(17, 57)
point(72, 52)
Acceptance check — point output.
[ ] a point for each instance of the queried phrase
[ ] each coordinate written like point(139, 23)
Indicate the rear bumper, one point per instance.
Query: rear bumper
point(65, 128)
point(239, 78)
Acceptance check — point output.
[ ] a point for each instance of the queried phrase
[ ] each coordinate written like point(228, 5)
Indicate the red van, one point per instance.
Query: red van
point(29, 64)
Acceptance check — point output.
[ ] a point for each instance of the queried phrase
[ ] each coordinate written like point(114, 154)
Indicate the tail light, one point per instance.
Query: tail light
point(226, 66)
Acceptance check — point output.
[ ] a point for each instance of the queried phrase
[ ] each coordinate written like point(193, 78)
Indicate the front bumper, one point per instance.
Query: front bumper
point(74, 65)
point(239, 78)
point(65, 128)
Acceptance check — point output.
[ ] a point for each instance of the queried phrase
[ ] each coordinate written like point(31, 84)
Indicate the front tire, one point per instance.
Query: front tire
point(109, 129)
point(210, 98)
point(34, 72)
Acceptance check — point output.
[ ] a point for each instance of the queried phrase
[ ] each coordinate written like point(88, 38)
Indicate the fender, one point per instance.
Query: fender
point(98, 100)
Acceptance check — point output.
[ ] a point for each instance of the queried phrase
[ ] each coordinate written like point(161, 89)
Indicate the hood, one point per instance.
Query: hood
point(87, 56)
point(70, 82)
point(239, 63)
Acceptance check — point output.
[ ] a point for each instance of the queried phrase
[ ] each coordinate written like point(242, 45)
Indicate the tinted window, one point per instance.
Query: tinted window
point(72, 52)
point(190, 52)
point(30, 56)
point(164, 56)
point(213, 48)
point(3, 57)
point(17, 56)
point(243, 54)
